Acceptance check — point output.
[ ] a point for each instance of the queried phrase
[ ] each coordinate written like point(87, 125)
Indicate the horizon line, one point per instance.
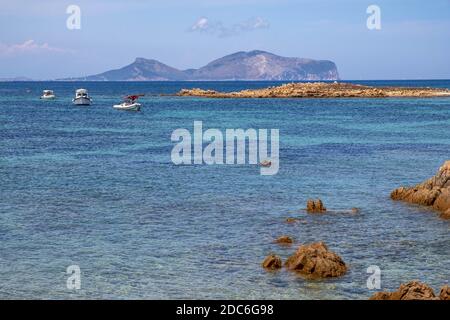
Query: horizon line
point(131, 81)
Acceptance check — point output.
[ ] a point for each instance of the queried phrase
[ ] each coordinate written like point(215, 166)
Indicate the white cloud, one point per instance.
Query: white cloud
point(217, 28)
point(29, 47)
point(201, 24)
point(255, 23)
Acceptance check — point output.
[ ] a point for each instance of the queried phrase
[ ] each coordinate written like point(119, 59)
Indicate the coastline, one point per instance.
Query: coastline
point(321, 90)
point(360, 146)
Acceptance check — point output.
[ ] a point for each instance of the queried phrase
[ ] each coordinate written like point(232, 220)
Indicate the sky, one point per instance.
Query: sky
point(412, 43)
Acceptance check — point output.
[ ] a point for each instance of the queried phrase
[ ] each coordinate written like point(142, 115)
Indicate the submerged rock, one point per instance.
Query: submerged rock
point(284, 240)
point(413, 290)
point(315, 206)
point(272, 262)
point(292, 220)
point(434, 192)
point(316, 260)
point(265, 163)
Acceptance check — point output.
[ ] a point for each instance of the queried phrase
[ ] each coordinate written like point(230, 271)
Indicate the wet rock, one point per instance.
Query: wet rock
point(315, 206)
point(316, 260)
point(284, 240)
point(291, 220)
point(434, 192)
point(445, 215)
point(413, 290)
point(310, 205)
point(272, 262)
point(383, 295)
point(445, 293)
point(442, 202)
point(265, 163)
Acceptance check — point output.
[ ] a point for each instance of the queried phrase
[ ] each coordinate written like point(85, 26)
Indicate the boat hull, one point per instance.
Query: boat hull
point(81, 101)
point(128, 107)
point(48, 97)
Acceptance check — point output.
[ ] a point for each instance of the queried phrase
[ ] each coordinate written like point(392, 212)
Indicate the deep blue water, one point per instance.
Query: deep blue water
point(96, 187)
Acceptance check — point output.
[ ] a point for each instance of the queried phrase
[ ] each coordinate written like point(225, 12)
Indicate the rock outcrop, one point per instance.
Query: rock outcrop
point(434, 192)
point(413, 290)
point(284, 240)
point(272, 262)
point(445, 293)
point(317, 261)
point(265, 163)
point(320, 90)
point(445, 215)
point(315, 206)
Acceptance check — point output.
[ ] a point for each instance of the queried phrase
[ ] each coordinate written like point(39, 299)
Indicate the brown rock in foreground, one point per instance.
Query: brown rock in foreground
point(284, 240)
point(316, 260)
point(315, 206)
point(435, 192)
point(445, 293)
point(272, 262)
point(413, 290)
point(445, 215)
point(320, 90)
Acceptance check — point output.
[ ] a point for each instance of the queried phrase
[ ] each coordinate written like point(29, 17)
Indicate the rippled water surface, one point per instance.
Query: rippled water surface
point(96, 187)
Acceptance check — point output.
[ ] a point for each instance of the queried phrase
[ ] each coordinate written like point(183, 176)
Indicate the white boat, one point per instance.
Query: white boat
point(129, 104)
point(82, 98)
point(48, 94)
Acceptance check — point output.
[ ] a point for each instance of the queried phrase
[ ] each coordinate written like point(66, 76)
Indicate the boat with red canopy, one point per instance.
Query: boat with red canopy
point(130, 103)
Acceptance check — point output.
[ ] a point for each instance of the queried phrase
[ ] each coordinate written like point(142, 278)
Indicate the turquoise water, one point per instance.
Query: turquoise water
point(96, 187)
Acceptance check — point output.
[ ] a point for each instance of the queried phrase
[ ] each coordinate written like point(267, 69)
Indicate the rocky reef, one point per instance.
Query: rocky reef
point(413, 290)
point(445, 293)
point(315, 206)
point(317, 261)
point(284, 240)
point(272, 262)
point(434, 192)
point(320, 90)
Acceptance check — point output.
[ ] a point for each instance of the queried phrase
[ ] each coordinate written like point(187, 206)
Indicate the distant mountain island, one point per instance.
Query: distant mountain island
point(251, 65)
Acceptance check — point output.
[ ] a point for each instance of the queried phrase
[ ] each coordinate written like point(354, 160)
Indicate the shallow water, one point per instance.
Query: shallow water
point(96, 187)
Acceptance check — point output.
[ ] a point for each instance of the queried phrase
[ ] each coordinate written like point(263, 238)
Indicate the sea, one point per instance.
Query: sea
point(94, 189)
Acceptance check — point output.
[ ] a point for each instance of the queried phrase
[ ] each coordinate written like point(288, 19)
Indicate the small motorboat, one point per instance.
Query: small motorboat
point(130, 103)
point(48, 95)
point(82, 98)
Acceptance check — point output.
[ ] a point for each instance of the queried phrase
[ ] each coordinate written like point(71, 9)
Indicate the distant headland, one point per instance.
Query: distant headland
point(251, 65)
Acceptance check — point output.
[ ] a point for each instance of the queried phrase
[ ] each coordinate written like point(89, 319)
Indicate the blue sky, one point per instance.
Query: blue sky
point(413, 43)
